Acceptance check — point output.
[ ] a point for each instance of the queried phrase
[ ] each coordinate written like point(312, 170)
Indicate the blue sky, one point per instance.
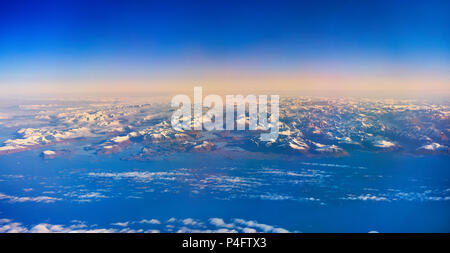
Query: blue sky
point(77, 40)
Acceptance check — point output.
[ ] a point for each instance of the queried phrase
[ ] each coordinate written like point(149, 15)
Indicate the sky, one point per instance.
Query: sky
point(390, 48)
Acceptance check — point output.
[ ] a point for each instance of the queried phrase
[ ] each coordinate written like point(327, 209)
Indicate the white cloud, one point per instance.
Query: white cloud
point(220, 223)
point(13, 227)
point(264, 227)
point(92, 195)
point(120, 224)
point(152, 221)
point(43, 199)
point(279, 230)
point(187, 225)
point(138, 176)
point(249, 230)
point(384, 144)
point(190, 230)
point(190, 221)
point(48, 228)
point(152, 231)
point(4, 220)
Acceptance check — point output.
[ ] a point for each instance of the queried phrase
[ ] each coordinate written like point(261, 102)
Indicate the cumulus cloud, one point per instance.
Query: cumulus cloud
point(241, 225)
point(186, 225)
point(15, 199)
point(397, 195)
point(120, 224)
point(366, 197)
point(190, 221)
point(249, 230)
point(151, 221)
point(138, 176)
point(194, 230)
point(12, 227)
point(92, 195)
point(7, 226)
point(220, 223)
point(264, 227)
point(279, 230)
